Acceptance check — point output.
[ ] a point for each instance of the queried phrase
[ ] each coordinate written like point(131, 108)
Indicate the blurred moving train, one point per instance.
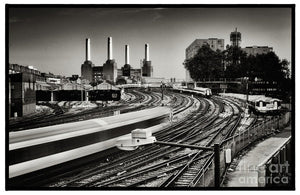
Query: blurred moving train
point(39, 148)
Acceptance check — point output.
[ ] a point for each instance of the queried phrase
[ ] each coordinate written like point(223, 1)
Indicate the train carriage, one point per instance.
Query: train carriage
point(205, 92)
point(35, 149)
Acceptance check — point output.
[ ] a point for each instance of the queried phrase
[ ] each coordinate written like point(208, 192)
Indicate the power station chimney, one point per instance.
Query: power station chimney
point(109, 49)
point(87, 50)
point(146, 52)
point(126, 54)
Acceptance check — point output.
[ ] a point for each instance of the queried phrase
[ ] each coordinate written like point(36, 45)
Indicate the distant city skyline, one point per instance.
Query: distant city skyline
point(53, 39)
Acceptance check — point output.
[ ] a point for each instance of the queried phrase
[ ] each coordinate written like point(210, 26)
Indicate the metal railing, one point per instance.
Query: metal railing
point(237, 143)
point(275, 170)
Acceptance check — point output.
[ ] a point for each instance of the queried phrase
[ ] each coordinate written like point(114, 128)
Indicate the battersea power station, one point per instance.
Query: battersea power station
point(109, 71)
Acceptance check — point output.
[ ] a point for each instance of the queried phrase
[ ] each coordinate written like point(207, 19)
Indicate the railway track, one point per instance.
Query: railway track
point(195, 161)
point(162, 166)
point(40, 178)
point(60, 116)
point(186, 166)
point(187, 175)
point(136, 159)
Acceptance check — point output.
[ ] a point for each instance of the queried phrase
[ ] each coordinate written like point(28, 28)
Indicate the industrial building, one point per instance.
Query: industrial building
point(126, 68)
point(16, 68)
point(147, 69)
point(110, 72)
point(110, 66)
point(91, 73)
point(22, 97)
point(254, 50)
point(214, 43)
point(87, 66)
point(22, 83)
point(127, 74)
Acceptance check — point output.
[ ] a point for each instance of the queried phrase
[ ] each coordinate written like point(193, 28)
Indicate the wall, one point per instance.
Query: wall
point(22, 93)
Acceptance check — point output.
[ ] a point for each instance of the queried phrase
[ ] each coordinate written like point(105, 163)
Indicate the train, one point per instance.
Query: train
point(36, 149)
point(124, 86)
point(204, 92)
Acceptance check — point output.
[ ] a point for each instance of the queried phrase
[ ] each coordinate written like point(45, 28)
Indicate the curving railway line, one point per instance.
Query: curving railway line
point(165, 166)
point(157, 165)
point(138, 101)
point(35, 179)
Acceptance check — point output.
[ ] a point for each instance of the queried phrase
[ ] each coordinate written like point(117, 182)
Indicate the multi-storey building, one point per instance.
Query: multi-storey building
point(21, 89)
point(214, 43)
point(254, 50)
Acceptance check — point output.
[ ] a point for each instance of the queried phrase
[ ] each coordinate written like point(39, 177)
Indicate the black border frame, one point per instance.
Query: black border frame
point(291, 6)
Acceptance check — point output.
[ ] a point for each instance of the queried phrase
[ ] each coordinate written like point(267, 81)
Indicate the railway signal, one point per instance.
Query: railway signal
point(162, 86)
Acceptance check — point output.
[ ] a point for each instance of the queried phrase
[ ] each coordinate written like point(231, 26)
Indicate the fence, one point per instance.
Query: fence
point(237, 143)
point(276, 170)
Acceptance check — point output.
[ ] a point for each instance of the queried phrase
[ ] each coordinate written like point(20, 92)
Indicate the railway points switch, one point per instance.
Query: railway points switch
point(138, 138)
point(141, 133)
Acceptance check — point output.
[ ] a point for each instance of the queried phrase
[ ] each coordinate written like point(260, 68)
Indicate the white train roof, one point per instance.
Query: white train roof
point(201, 88)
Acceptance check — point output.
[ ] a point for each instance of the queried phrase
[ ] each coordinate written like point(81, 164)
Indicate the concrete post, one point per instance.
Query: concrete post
point(261, 172)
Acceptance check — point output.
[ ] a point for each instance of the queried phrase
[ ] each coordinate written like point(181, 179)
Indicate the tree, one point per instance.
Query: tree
point(205, 64)
point(234, 63)
point(285, 68)
point(235, 59)
point(267, 67)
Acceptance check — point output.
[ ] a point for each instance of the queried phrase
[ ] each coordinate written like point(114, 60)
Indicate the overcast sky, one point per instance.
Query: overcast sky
point(53, 39)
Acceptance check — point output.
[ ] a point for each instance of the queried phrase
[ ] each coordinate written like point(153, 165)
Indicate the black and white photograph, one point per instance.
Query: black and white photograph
point(149, 97)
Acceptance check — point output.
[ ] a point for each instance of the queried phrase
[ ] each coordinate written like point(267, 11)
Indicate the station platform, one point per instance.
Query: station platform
point(243, 172)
